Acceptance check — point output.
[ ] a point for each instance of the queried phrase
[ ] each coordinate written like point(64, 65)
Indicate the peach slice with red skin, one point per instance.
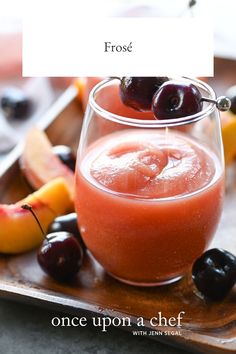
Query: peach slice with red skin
point(19, 231)
point(40, 165)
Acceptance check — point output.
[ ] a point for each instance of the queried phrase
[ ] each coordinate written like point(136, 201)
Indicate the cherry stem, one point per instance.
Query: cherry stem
point(206, 99)
point(116, 77)
point(29, 208)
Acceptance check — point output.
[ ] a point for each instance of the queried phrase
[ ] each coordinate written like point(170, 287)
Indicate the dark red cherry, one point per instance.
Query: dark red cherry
point(68, 223)
point(137, 92)
point(66, 155)
point(214, 273)
point(15, 103)
point(176, 99)
point(60, 256)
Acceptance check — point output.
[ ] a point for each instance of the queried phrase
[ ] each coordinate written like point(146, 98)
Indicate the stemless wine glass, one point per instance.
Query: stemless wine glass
point(149, 192)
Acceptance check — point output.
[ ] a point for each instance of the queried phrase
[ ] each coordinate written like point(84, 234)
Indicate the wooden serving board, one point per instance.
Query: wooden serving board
point(206, 327)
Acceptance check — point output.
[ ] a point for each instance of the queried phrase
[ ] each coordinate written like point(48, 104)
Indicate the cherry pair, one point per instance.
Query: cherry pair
point(168, 99)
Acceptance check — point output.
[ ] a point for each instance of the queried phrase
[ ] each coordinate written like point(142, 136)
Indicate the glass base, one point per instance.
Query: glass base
point(149, 284)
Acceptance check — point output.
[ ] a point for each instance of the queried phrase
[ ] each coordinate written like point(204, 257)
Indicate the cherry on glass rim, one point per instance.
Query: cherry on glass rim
point(176, 99)
point(137, 92)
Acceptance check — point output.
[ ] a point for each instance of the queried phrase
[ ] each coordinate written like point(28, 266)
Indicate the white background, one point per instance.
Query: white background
point(221, 11)
point(161, 46)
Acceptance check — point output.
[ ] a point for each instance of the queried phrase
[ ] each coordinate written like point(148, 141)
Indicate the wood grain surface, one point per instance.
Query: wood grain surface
point(206, 327)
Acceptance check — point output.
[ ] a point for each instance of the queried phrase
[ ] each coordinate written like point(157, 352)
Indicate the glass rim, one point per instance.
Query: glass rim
point(148, 123)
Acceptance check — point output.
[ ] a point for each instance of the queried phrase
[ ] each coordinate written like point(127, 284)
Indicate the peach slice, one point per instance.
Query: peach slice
point(19, 231)
point(40, 165)
point(228, 122)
